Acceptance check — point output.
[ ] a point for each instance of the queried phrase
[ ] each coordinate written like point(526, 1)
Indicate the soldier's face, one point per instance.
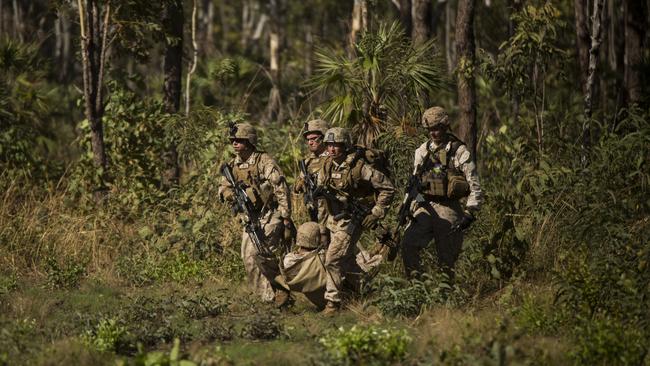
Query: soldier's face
point(438, 132)
point(314, 142)
point(336, 149)
point(240, 146)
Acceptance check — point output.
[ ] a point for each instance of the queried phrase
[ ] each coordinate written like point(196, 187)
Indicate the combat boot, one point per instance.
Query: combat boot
point(331, 308)
point(282, 299)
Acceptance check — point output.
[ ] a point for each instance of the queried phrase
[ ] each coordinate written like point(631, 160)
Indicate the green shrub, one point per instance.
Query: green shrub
point(396, 296)
point(159, 358)
point(262, 326)
point(108, 336)
point(606, 341)
point(8, 283)
point(146, 269)
point(533, 315)
point(67, 275)
point(17, 337)
point(370, 345)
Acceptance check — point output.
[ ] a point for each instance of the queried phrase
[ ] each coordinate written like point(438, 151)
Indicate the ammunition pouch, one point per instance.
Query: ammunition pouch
point(457, 187)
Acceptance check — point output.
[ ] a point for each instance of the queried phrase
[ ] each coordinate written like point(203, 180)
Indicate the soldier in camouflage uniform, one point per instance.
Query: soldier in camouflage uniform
point(448, 176)
point(347, 179)
point(267, 188)
point(314, 132)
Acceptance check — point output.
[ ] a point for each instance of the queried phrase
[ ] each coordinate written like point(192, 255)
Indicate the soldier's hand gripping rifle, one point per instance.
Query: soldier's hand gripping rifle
point(357, 212)
point(412, 193)
point(244, 205)
point(310, 188)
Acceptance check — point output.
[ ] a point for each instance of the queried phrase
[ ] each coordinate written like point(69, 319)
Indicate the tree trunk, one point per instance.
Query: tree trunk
point(421, 14)
point(62, 45)
point(172, 21)
point(192, 66)
point(276, 45)
point(449, 41)
point(515, 7)
point(465, 48)
point(359, 24)
point(618, 34)
point(250, 12)
point(582, 40)
point(405, 16)
point(596, 38)
point(18, 25)
point(225, 27)
point(635, 28)
point(207, 20)
point(2, 18)
point(93, 55)
point(437, 12)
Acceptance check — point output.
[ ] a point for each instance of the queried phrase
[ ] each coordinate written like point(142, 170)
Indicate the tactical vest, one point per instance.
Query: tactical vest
point(258, 189)
point(313, 164)
point(346, 180)
point(440, 179)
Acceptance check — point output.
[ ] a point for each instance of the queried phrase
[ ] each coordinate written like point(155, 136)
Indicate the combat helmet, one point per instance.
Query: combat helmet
point(308, 235)
point(435, 116)
point(315, 126)
point(243, 131)
point(338, 134)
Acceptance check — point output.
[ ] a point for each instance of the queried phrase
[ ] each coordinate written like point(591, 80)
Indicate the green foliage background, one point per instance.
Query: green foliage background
point(559, 251)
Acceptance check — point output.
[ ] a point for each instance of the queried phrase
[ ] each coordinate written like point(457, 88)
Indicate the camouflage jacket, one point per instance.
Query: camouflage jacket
point(266, 185)
point(463, 162)
point(348, 181)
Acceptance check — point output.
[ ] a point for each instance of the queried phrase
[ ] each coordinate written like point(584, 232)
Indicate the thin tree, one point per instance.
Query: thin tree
point(405, 16)
point(172, 21)
point(636, 21)
point(93, 31)
point(582, 40)
point(421, 15)
point(596, 39)
point(465, 48)
point(358, 24)
point(276, 45)
point(191, 68)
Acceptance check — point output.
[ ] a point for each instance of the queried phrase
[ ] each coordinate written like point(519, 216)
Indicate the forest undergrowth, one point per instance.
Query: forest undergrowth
point(554, 271)
point(120, 266)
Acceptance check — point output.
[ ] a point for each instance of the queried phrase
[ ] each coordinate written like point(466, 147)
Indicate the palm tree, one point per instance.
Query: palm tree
point(383, 85)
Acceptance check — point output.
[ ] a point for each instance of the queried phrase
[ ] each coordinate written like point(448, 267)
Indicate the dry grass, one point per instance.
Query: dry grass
point(36, 225)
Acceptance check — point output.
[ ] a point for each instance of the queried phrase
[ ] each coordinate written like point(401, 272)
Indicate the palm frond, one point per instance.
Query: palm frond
point(388, 73)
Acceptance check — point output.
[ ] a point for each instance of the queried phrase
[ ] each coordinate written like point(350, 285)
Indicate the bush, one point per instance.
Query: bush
point(108, 336)
point(400, 297)
point(366, 345)
point(606, 341)
point(262, 326)
point(64, 276)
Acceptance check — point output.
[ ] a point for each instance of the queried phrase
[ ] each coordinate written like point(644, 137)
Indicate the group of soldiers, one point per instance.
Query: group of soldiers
point(350, 194)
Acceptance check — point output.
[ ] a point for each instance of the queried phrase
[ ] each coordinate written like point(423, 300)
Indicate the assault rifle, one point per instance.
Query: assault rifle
point(308, 196)
point(244, 205)
point(357, 212)
point(412, 193)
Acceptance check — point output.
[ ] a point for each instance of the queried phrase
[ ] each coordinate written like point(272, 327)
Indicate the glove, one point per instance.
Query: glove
point(370, 221)
point(299, 186)
point(463, 223)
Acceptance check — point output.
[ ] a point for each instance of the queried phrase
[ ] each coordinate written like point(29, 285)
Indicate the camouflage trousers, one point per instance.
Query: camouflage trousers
point(340, 256)
point(433, 221)
point(273, 229)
